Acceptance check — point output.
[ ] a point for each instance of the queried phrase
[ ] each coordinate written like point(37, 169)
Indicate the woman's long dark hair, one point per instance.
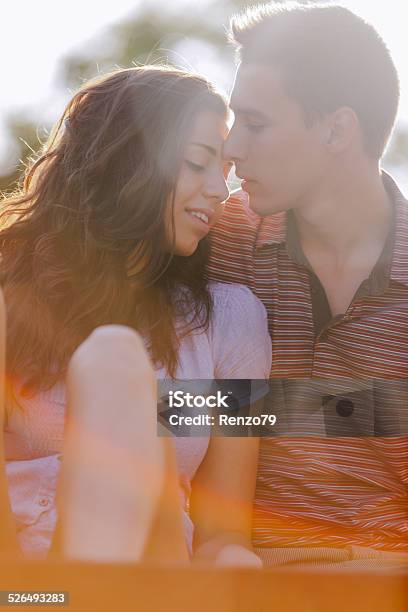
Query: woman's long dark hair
point(84, 240)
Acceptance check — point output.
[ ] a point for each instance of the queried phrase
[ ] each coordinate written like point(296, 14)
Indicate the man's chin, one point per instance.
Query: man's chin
point(264, 207)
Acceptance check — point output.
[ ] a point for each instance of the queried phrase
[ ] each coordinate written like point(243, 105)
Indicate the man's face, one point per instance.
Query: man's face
point(280, 158)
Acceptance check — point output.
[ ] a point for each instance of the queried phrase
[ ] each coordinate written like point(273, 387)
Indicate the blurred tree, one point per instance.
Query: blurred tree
point(27, 137)
point(397, 153)
point(152, 33)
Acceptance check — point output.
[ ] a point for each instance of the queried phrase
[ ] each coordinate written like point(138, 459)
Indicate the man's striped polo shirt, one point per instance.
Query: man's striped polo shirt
point(326, 490)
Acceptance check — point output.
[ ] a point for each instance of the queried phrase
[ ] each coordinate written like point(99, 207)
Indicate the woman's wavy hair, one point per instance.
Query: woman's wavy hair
point(84, 240)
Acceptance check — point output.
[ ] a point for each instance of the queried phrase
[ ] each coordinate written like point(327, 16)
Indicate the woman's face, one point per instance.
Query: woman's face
point(201, 188)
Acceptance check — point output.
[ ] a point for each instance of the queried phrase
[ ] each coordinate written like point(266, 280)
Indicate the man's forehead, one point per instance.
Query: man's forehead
point(254, 86)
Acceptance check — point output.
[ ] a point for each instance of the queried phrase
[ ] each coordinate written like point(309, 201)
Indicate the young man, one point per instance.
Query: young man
point(320, 234)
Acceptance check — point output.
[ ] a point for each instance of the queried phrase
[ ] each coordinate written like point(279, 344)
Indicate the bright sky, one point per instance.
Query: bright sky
point(35, 35)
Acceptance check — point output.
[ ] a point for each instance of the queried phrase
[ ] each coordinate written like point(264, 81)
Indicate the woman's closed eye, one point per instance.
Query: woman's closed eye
point(255, 127)
point(195, 167)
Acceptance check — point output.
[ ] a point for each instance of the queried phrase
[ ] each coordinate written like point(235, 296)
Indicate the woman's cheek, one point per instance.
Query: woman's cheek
point(188, 186)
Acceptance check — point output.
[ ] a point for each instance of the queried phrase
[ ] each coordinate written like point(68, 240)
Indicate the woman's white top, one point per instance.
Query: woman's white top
point(235, 345)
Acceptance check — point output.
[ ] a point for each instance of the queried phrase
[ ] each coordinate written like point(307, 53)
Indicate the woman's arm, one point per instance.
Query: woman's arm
point(221, 502)
point(223, 488)
point(8, 540)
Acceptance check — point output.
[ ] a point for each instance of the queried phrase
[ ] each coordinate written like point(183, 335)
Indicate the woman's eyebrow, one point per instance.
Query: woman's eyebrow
point(205, 146)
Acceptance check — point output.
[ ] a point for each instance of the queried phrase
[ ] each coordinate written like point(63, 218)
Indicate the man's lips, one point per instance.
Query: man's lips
point(248, 185)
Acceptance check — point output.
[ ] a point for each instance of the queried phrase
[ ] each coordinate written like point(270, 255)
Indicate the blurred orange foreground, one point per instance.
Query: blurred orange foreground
point(152, 589)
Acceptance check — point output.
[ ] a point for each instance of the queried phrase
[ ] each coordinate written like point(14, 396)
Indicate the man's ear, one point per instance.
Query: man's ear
point(342, 129)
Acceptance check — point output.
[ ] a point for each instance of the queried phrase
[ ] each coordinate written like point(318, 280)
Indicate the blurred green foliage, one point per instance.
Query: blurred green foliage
point(152, 33)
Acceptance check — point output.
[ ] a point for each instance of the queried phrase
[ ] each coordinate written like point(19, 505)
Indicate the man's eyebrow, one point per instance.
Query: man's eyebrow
point(247, 111)
point(205, 146)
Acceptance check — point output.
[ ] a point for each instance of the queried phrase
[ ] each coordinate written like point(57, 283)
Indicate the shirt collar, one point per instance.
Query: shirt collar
point(393, 262)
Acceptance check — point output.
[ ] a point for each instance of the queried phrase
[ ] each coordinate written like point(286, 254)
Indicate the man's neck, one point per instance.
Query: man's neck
point(347, 215)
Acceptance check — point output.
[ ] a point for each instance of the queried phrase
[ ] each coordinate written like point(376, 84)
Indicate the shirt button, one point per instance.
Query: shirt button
point(44, 501)
point(345, 407)
point(233, 403)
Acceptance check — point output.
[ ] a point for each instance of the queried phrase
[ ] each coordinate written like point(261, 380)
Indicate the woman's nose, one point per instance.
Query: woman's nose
point(217, 190)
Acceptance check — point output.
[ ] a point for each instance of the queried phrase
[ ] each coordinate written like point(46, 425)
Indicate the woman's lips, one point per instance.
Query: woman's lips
point(198, 214)
point(199, 223)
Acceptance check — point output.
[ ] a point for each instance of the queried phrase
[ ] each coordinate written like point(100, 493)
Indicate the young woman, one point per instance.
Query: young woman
point(103, 269)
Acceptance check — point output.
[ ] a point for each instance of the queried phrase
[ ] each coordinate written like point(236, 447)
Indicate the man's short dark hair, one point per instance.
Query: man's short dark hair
point(329, 58)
